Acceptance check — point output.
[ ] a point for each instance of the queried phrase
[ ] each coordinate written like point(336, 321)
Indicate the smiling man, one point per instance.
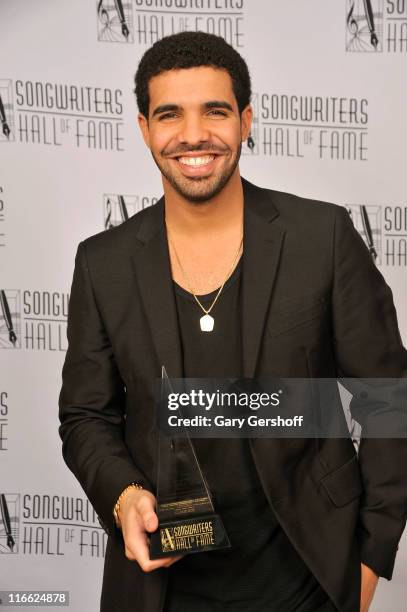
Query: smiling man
point(222, 279)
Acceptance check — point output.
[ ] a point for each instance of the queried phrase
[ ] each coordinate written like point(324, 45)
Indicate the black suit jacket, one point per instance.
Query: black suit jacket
point(314, 304)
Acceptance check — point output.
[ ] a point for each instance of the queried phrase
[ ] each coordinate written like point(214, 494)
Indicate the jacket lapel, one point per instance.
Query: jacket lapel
point(263, 239)
point(153, 271)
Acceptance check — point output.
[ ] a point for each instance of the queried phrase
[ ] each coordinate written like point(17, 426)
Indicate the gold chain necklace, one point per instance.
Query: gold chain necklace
point(207, 322)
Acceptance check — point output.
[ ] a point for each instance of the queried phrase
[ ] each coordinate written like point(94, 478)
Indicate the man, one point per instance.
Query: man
point(312, 527)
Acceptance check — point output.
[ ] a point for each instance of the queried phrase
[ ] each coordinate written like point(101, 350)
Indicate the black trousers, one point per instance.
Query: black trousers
point(184, 604)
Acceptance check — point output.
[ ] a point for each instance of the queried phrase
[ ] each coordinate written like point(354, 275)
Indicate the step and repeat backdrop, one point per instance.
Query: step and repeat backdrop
point(329, 98)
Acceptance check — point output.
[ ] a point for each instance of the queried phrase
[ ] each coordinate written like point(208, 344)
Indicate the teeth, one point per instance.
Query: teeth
point(196, 161)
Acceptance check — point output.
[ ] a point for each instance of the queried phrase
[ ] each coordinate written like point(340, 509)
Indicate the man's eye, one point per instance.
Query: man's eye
point(173, 114)
point(168, 116)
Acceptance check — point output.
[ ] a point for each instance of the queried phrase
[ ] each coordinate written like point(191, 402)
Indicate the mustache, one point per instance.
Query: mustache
point(186, 148)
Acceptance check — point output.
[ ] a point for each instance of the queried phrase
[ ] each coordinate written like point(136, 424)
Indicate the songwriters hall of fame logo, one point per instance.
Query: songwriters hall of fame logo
point(384, 230)
point(56, 114)
point(115, 20)
point(50, 525)
point(367, 220)
point(10, 319)
point(118, 208)
point(6, 111)
point(146, 21)
point(376, 26)
point(9, 523)
point(33, 319)
point(364, 25)
point(4, 420)
point(2, 218)
point(252, 144)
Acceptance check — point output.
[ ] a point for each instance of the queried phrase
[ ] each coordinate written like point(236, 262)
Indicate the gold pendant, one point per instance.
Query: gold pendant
point(207, 322)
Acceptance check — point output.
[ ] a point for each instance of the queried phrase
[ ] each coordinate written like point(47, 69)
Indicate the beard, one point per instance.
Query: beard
point(198, 190)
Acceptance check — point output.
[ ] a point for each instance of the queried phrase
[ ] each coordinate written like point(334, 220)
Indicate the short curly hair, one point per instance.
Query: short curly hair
point(190, 50)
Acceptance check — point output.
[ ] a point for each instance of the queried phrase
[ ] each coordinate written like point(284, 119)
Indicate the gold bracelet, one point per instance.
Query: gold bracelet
point(133, 485)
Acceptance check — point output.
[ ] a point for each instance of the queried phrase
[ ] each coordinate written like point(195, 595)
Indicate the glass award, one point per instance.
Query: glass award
point(187, 519)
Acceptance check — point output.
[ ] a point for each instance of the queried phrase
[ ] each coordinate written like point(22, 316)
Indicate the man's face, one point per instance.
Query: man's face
point(194, 130)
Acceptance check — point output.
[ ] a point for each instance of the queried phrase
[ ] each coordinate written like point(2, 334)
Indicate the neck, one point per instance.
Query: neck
point(223, 212)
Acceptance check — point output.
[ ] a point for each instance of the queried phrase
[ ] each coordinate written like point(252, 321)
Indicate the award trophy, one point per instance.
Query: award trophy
point(187, 521)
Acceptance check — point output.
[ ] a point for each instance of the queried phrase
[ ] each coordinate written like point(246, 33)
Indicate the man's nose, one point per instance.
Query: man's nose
point(193, 130)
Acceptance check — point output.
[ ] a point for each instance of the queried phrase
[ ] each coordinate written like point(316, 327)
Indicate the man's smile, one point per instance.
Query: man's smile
point(196, 161)
point(196, 164)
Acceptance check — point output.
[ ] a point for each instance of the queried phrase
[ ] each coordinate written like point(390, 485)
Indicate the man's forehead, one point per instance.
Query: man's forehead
point(192, 83)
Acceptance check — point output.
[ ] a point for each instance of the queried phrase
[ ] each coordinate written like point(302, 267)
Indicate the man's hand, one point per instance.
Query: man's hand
point(368, 587)
point(137, 517)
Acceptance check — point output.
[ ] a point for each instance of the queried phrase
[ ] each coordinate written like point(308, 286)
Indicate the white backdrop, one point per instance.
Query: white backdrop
point(329, 96)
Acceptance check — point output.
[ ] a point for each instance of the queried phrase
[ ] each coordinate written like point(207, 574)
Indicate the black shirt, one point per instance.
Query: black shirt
point(261, 571)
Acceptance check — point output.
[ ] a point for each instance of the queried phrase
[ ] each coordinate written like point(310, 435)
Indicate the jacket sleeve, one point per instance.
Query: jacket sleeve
point(368, 345)
point(92, 404)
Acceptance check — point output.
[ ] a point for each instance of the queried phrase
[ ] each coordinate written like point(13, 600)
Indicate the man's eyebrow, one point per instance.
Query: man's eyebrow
point(218, 104)
point(165, 108)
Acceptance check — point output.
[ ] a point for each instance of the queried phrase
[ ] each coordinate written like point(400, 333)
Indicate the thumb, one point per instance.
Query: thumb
point(150, 521)
point(149, 518)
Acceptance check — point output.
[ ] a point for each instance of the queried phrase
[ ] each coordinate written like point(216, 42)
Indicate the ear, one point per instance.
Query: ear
point(246, 121)
point(143, 124)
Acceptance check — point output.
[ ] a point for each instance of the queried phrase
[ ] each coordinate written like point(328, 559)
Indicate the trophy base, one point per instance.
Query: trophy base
point(188, 535)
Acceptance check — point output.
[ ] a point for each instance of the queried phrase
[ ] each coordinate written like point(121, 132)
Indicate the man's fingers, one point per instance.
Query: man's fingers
point(150, 566)
point(137, 549)
point(136, 546)
point(172, 560)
